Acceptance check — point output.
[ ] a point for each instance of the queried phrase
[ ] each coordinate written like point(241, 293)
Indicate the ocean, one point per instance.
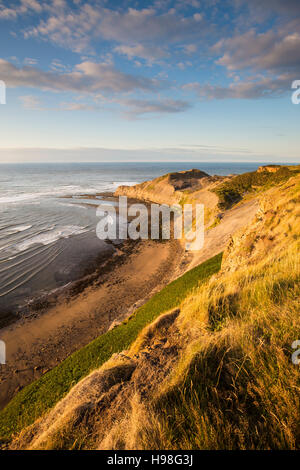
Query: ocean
point(40, 215)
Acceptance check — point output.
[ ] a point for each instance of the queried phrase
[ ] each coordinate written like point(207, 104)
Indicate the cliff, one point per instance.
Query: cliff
point(173, 188)
point(210, 367)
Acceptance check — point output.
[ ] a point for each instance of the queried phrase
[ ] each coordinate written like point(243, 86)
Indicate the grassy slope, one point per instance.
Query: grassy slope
point(37, 398)
point(233, 190)
point(236, 386)
point(240, 388)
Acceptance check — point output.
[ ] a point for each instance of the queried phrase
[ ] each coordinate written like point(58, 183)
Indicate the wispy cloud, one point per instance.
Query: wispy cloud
point(86, 77)
point(65, 106)
point(261, 64)
point(30, 61)
point(76, 28)
point(130, 108)
point(264, 87)
point(253, 61)
point(270, 51)
point(31, 102)
point(22, 7)
point(137, 108)
point(149, 53)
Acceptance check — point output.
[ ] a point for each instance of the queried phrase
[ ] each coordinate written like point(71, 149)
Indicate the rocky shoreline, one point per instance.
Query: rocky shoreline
point(62, 322)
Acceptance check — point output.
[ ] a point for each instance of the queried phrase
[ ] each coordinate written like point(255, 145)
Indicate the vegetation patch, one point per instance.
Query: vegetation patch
point(236, 386)
point(35, 399)
point(225, 307)
point(215, 223)
point(232, 191)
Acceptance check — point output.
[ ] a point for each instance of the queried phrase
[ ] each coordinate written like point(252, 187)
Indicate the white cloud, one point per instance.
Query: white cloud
point(190, 48)
point(198, 17)
point(260, 64)
point(65, 106)
point(267, 51)
point(149, 53)
point(136, 108)
point(133, 108)
point(264, 87)
point(157, 33)
point(130, 108)
point(31, 5)
point(76, 28)
point(30, 61)
point(7, 13)
point(86, 77)
point(23, 7)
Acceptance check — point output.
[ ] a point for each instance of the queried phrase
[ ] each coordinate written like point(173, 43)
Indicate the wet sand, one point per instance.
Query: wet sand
point(70, 259)
point(75, 257)
point(38, 342)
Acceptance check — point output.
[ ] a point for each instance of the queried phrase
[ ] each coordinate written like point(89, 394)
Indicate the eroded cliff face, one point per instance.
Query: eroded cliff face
point(221, 358)
point(212, 359)
point(275, 222)
point(268, 168)
point(175, 188)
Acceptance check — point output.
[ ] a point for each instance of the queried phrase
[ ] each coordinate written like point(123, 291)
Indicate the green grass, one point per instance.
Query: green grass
point(232, 191)
point(38, 397)
point(239, 390)
point(216, 222)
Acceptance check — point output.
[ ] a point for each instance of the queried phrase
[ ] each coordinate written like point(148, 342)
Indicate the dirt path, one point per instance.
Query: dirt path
point(38, 344)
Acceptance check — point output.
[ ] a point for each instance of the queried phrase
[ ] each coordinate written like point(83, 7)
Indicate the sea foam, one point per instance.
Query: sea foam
point(52, 236)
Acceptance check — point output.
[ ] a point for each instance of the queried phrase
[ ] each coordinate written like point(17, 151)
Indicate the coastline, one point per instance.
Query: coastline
point(78, 264)
point(65, 319)
point(87, 308)
point(55, 280)
point(114, 323)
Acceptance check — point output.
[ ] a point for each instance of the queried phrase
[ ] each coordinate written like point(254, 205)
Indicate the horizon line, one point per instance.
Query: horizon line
point(149, 161)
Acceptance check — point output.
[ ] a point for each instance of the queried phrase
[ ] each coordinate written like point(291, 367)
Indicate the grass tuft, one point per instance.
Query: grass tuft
point(232, 191)
point(35, 399)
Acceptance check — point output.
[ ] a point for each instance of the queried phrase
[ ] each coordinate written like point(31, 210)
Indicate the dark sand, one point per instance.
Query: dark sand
point(77, 256)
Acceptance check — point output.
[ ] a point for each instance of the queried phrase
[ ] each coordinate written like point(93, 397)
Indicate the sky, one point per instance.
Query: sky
point(182, 80)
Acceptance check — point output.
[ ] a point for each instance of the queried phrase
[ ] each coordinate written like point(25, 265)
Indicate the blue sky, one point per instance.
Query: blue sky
point(157, 80)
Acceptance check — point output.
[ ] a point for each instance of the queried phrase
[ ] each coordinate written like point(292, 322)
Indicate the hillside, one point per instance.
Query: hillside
point(217, 193)
point(173, 188)
point(212, 368)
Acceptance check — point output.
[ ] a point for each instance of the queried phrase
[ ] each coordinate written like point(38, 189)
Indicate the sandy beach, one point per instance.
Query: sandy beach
point(39, 342)
point(114, 286)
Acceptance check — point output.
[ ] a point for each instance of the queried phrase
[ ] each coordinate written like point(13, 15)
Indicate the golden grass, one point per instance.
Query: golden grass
point(234, 385)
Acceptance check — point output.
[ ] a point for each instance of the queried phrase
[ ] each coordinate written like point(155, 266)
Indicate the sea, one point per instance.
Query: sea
point(48, 231)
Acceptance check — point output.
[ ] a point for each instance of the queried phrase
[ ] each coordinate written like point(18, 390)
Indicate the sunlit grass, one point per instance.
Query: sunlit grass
point(40, 396)
point(235, 385)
